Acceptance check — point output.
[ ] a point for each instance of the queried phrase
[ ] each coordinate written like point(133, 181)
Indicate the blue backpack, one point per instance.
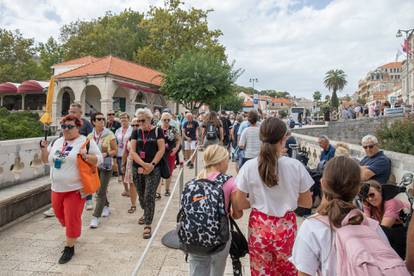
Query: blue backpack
point(203, 224)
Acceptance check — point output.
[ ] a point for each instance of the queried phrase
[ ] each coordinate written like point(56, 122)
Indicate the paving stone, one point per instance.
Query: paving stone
point(35, 266)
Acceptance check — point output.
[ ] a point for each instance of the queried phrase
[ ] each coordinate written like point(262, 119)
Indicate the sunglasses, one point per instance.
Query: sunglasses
point(99, 119)
point(368, 146)
point(141, 121)
point(135, 125)
point(69, 127)
point(111, 114)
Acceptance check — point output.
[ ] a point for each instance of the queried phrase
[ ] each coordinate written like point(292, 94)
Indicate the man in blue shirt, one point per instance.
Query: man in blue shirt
point(328, 151)
point(375, 165)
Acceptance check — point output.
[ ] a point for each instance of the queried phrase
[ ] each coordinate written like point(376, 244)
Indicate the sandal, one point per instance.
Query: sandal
point(141, 220)
point(147, 232)
point(167, 193)
point(157, 196)
point(132, 209)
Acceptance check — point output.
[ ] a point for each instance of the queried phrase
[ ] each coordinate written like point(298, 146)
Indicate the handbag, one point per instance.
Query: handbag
point(239, 247)
point(163, 164)
point(88, 173)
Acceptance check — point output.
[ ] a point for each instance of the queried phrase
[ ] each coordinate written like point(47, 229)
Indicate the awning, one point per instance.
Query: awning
point(8, 88)
point(137, 87)
point(33, 87)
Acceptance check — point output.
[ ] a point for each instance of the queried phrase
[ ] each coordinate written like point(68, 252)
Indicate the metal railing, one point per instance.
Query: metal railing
point(178, 182)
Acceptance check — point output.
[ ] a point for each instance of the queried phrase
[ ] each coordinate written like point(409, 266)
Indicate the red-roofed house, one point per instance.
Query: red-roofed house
point(104, 84)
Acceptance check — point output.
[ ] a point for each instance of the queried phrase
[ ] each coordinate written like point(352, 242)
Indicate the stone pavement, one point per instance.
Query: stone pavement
point(33, 246)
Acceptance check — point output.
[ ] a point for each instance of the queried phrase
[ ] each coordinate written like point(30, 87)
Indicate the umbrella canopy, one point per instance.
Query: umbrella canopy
point(47, 116)
point(32, 87)
point(8, 88)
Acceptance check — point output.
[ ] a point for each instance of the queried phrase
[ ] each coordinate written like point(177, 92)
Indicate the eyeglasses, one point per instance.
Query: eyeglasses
point(141, 121)
point(69, 127)
point(99, 119)
point(368, 146)
point(111, 114)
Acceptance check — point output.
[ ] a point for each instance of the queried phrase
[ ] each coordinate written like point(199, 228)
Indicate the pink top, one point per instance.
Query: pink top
point(392, 208)
point(228, 187)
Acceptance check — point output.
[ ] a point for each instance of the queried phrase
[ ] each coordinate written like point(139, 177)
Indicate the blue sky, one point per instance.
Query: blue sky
point(286, 44)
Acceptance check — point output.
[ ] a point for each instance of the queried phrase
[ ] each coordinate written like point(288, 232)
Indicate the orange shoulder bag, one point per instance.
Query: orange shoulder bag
point(88, 173)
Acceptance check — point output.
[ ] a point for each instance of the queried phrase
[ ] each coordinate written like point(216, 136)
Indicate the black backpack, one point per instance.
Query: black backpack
point(211, 132)
point(203, 224)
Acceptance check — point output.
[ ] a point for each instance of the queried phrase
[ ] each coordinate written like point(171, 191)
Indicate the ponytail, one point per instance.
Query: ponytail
point(268, 165)
point(336, 210)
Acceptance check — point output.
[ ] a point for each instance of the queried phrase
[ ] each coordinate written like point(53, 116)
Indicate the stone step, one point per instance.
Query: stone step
point(22, 199)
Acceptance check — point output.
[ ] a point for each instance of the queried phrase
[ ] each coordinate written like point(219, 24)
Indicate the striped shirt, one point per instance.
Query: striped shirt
point(250, 139)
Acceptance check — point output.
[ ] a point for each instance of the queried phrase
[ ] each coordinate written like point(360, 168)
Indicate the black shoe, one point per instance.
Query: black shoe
point(67, 255)
point(191, 166)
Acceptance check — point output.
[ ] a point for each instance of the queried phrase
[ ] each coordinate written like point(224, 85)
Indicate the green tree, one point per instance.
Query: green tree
point(119, 35)
point(19, 125)
point(335, 80)
point(172, 31)
point(398, 137)
point(50, 53)
point(17, 57)
point(247, 90)
point(361, 101)
point(317, 96)
point(199, 77)
point(276, 94)
point(231, 102)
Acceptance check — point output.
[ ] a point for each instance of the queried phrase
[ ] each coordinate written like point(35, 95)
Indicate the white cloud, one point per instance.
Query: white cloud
point(286, 44)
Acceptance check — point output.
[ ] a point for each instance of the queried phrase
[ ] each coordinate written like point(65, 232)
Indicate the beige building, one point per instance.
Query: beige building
point(410, 92)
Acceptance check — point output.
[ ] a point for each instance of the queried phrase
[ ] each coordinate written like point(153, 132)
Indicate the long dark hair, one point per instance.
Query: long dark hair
point(340, 185)
point(272, 131)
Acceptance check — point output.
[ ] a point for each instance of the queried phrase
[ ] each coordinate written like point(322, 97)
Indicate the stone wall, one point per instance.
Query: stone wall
point(401, 163)
point(20, 161)
point(350, 131)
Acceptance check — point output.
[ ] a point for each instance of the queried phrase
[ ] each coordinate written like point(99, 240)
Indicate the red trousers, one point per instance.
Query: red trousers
point(68, 208)
point(270, 244)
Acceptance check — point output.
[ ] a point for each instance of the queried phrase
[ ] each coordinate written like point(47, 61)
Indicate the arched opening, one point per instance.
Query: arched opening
point(66, 97)
point(141, 100)
point(91, 100)
point(120, 100)
point(159, 102)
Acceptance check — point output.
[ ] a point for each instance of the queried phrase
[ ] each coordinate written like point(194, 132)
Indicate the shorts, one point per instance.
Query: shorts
point(190, 145)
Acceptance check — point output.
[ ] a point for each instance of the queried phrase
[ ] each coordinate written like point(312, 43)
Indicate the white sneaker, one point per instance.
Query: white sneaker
point(49, 213)
point(89, 204)
point(94, 222)
point(106, 212)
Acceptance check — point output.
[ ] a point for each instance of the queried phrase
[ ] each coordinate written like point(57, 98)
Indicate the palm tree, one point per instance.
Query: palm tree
point(335, 80)
point(317, 96)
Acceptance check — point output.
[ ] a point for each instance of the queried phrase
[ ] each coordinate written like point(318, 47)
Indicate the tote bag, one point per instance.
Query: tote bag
point(88, 173)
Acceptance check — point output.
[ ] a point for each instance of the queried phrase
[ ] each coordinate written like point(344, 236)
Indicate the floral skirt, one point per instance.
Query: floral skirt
point(128, 171)
point(270, 244)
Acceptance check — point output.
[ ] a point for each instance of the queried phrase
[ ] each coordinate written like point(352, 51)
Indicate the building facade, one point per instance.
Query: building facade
point(408, 93)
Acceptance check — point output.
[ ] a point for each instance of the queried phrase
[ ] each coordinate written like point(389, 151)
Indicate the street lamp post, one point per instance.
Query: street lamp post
point(407, 33)
point(255, 95)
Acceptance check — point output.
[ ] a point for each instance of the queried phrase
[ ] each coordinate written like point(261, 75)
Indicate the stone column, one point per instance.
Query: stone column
point(106, 105)
point(55, 113)
point(23, 97)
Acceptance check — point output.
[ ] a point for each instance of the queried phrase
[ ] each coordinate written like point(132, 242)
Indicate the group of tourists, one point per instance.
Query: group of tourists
point(270, 182)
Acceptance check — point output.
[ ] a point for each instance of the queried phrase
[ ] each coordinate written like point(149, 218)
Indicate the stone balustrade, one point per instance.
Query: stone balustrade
point(20, 161)
point(400, 163)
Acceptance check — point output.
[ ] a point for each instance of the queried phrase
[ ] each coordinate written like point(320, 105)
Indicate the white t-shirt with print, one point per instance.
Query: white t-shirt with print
point(122, 139)
point(314, 252)
point(279, 199)
point(66, 178)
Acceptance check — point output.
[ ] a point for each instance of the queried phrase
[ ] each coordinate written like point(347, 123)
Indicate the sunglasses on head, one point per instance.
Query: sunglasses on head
point(69, 127)
point(368, 146)
point(111, 114)
point(100, 119)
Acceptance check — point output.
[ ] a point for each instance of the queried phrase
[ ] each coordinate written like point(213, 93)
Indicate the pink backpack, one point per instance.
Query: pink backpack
point(361, 251)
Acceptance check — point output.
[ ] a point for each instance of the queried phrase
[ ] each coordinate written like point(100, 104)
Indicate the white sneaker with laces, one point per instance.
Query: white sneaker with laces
point(94, 223)
point(49, 213)
point(106, 212)
point(89, 205)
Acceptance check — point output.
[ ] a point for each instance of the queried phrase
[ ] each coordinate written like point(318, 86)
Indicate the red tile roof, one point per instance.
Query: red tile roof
point(281, 100)
point(247, 104)
point(78, 61)
point(395, 64)
point(117, 67)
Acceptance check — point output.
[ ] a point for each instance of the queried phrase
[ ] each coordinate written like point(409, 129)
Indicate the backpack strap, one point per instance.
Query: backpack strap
point(221, 179)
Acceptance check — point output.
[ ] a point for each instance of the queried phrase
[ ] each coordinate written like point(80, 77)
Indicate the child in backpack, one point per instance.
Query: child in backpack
point(317, 244)
point(276, 186)
point(216, 160)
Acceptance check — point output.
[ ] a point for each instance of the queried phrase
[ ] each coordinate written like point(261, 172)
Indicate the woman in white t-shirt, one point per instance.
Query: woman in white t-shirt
point(67, 201)
point(273, 186)
point(314, 252)
point(122, 135)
